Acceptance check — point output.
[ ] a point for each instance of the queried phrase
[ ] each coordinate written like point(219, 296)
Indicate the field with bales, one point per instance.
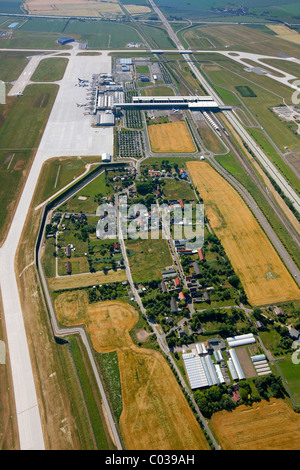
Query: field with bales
point(254, 259)
point(268, 425)
point(155, 413)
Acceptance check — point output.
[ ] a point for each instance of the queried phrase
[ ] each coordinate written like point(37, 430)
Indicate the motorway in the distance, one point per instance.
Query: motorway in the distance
point(29, 422)
point(260, 155)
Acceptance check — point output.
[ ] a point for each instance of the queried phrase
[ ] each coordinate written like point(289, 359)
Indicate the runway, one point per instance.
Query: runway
point(68, 132)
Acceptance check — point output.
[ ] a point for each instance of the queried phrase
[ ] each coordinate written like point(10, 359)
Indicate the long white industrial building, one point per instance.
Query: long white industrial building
point(261, 364)
point(204, 103)
point(236, 364)
point(241, 340)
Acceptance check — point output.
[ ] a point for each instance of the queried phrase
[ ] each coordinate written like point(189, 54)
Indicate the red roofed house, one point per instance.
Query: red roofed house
point(177, 281)
point(181, 296)
point(201, 254)
point(236, 396)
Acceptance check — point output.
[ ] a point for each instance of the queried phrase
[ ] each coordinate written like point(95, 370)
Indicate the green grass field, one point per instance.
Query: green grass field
point(174, 189)
point(158, 90)
point(159, 36)
point(50, 70)
point(89, 205)
point(56, 174)
point(142, 69)
point(12, 65)
point(291, 376)
point(147, 258)
point(91, 395)
point(109, 366)
point(22, 121)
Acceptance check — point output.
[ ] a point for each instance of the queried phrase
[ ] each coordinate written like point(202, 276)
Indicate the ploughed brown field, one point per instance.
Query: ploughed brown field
point(253, 257)
point(155, 412)
point(266, 425)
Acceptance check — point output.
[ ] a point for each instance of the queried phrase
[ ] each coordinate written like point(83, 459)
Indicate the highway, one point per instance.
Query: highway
point(230, 115)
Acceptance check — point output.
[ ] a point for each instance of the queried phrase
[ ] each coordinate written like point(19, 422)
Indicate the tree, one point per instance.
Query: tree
point(234, 281)
point(244, 394)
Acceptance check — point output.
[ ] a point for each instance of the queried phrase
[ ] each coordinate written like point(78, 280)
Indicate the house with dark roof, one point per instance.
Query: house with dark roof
point(173, 305)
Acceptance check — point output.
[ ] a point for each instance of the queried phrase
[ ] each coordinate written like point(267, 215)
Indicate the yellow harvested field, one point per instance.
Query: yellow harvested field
point(156, 415)
point(254, 259)
point(268, 425)
point(137, 9)
point(73, 7)
point(85, 280)
point(171, 137)
point(285, 33)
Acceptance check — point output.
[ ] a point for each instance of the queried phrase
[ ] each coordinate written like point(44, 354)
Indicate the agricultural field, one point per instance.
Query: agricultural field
point(137, 9)
point(230, 163)
point(147, 258)
point(50, 70)
point(255, 261)
point(151, 397)
point(86, 280)
point(39, 33)
point(73, 8)
point(171, 137)
point(268, 425)
point(251, 38)
point(286, 33)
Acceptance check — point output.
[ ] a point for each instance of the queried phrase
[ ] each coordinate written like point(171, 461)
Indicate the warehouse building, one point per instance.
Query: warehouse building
point(201, 349)
point(105, 119)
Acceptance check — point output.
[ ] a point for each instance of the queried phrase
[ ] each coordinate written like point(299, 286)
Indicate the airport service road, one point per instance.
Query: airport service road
point(80, 139)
